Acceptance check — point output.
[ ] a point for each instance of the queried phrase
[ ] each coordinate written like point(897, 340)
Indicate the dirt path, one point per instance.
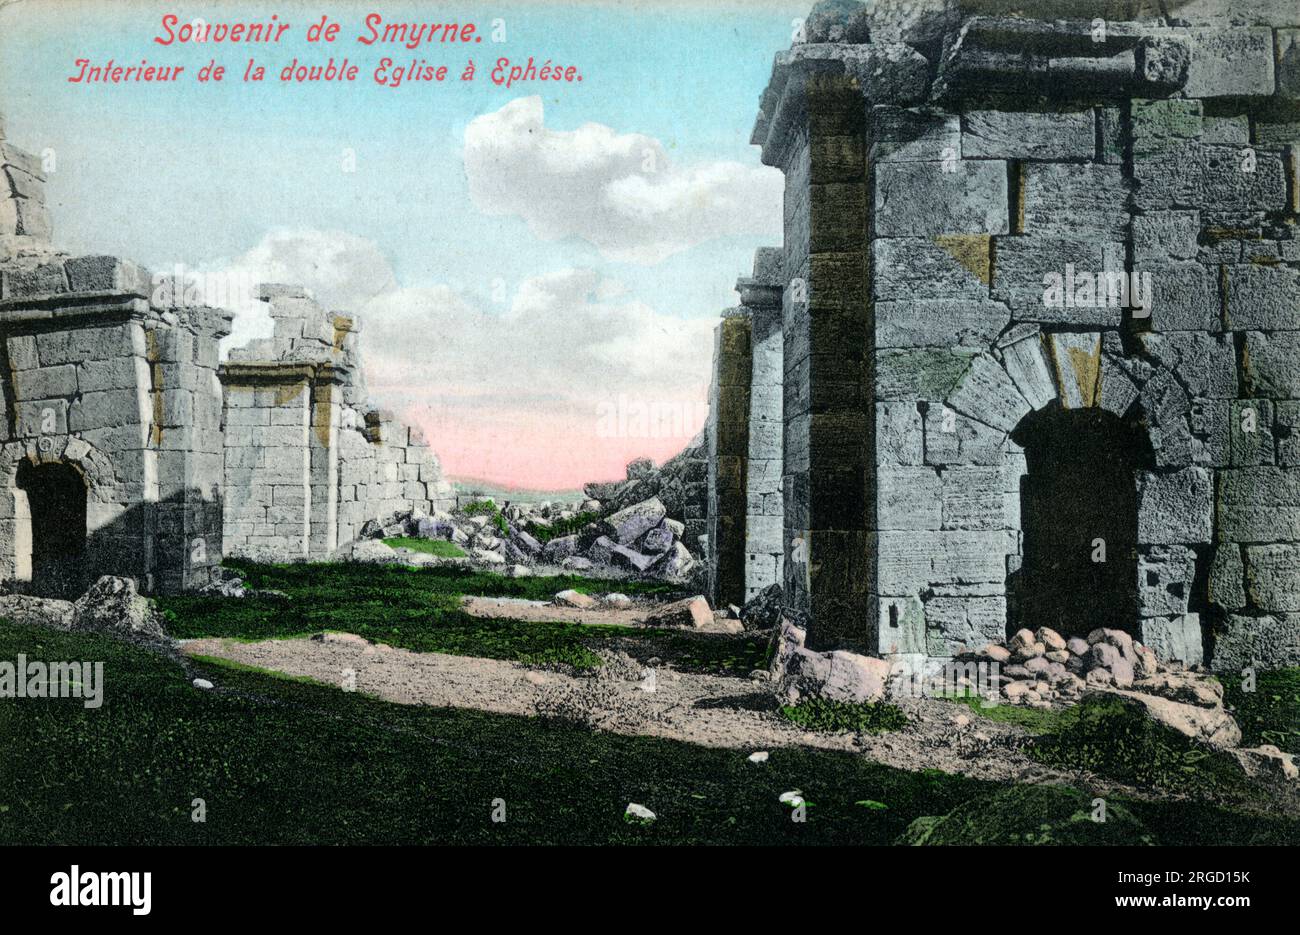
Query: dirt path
point(711, 710)
point(515, 608)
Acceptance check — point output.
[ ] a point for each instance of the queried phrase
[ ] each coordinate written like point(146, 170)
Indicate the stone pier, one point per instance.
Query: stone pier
point(1041, 346)
point(728, 437)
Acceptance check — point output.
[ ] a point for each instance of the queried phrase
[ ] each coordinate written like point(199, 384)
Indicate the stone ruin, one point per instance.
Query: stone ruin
point(982, 427)
point(128, 449)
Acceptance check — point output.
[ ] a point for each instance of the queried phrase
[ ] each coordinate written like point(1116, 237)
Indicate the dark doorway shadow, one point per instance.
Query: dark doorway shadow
point(56, 501)
point(1078, 503)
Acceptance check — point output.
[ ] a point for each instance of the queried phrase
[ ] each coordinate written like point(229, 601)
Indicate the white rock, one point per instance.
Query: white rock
point(203, 684)
point(638, 811)
point(759, 757)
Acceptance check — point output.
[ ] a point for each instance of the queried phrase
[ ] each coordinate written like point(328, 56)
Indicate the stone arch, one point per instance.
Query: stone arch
point(1033, 388)
point(86, 463)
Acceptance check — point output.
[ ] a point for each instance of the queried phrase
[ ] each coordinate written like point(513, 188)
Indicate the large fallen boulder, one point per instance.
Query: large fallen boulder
point(1213, 726)
point(114, 606)
point(763, 610)
point(691, 612)
point(628, 525)
point(36, 611)
point(835, 676)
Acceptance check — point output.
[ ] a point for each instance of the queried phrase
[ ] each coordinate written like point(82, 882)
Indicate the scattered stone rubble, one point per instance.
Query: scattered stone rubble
point(112, 606)
point(639, 540)
point(680, 484)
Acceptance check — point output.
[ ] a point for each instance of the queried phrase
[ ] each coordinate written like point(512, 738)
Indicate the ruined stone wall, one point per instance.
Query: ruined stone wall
point(960, 439)
point(108, 380)
point(308, 462)
point(114, 417)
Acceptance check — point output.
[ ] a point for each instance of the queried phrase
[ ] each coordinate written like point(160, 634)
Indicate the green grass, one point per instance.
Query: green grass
point(439, 547)
point(491, 511)
point(1270, 713)
point(561, 527)
point(420, 609)
point(1032, 720)
point(1110, 737)
point(286, 762)
point(821, 714)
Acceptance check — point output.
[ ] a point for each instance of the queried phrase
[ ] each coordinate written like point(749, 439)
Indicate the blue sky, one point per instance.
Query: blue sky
point(199, 174)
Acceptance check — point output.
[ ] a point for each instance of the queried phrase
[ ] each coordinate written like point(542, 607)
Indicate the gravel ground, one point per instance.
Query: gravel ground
point(715, 711)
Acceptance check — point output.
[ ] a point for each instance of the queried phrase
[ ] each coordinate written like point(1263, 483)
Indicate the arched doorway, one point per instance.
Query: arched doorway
point(56, 507)
point(1078, 505)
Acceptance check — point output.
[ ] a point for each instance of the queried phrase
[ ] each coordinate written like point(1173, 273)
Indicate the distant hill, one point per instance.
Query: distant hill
point(466, 487)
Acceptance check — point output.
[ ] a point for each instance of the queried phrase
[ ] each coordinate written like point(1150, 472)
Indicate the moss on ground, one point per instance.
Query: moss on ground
point(439, 547)
point(561, 527)
point(1038, 815)
point(1032, 720)
point(821, 714)
point(1270, 713)
point(282, 761)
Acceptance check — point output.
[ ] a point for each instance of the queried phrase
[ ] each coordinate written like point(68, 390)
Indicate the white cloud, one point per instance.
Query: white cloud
point(617, 191)
point(342, 270)
point(568, 341)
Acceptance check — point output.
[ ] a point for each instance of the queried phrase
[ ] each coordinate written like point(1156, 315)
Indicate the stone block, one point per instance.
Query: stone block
point(1262, 298)
point(1227, 574)
point(1273, 577)
point(1230, 62)
point(939, 323)
point(1185, 297)
point(924, 268)
point(1175, 507)
point(952, 438)
point(1201, 175)
point(1206, 364)
point(1160, 236)
point(915, 198)
point(1021, 350)
point(954, 623)
point(973, 498)
point(1021, 271)
point(1251, 432)
point(1160, 126)
point(1259, 504)
point(902, 135)
point(900, 434)
point(907, 498)
point(108, 274)
point(915, 374)
point(1175, 638)
point(1271, 641)
point(985, 392)
point(41, 417)
point(1073, 200)
point(44, 382)
point(1271, 364)
point(37, 279)
point(1165, 576)
point(1028, 134)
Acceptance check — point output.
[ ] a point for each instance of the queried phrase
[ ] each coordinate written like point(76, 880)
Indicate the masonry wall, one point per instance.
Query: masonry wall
point(728, 434)
point(307, 461)
point(936, 173)
point(764, 532)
